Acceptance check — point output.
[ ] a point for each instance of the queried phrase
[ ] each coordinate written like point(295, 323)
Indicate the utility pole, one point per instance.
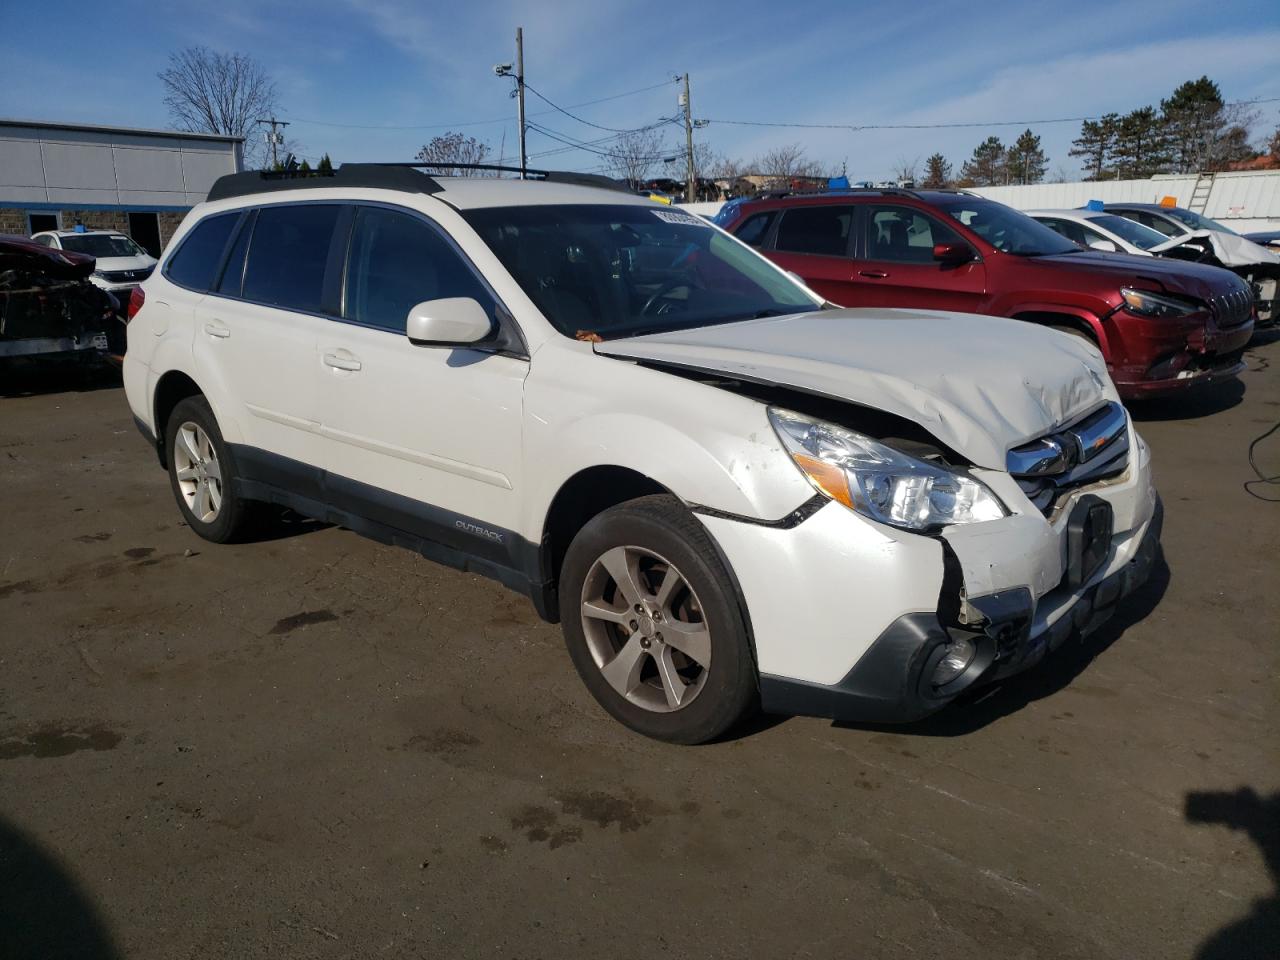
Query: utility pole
point(274, 138)
point(690, 185)
point(520, 98)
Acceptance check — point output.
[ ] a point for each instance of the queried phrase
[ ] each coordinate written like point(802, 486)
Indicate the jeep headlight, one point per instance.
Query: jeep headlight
point(878, 481)
point(1148, 304)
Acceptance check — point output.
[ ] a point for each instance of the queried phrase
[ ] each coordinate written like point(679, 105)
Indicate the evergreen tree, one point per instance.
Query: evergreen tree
point(937, 172)
point(306, 167)
point(325, 166)
point(1193, 122)
point(1026, 160)
point(1140, 145)
point(1095, 145)
point(986, 168)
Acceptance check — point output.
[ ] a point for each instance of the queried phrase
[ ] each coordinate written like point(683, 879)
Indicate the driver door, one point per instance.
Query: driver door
point(895, 265)
point(418, 438)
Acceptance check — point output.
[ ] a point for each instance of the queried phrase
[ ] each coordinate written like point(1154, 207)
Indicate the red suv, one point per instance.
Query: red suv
point(1162, 325)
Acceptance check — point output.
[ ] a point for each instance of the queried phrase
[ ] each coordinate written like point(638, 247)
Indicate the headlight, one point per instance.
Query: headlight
point(878, 481)
point(1147, 304)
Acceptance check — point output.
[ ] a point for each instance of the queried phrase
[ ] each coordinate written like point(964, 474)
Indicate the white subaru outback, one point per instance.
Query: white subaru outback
point(728, 493)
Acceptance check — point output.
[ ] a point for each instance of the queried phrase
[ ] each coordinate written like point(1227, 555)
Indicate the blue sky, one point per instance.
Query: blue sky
point(349, 70)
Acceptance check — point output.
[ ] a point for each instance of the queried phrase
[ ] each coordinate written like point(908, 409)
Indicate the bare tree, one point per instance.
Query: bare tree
point(632, 156)
point(451, 148)
point(787, 162)
point(211, 92)
point(904, 170)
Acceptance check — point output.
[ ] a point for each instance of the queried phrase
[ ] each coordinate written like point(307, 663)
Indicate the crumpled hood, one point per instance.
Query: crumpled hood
point(1230, 249)
point(981, 385)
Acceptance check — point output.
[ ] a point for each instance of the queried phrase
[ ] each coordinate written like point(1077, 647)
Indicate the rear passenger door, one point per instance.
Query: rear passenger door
point(256, 336)
point(419, 438)
point(813, 242)
point(895, 265)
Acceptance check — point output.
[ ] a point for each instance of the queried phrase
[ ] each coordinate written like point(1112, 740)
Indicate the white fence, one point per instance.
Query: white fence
point(1243, 201)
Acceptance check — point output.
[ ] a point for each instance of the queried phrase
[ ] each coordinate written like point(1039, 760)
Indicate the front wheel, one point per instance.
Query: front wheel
point(654, 625)
point(202, 473)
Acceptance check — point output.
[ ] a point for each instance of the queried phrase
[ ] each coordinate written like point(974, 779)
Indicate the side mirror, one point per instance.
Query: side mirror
point(451, 322)
point(952, 254)
point(1106, 246)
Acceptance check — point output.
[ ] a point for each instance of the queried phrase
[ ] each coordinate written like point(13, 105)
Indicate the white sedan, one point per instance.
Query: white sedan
point(1099, 230)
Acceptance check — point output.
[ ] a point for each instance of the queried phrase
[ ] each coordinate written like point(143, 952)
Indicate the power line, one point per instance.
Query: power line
point(588, 123)
point(855, 127)
point(589, 147)
point(475, 123)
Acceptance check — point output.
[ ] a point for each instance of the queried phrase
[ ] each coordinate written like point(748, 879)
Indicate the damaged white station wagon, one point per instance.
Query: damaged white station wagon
point(728, 493)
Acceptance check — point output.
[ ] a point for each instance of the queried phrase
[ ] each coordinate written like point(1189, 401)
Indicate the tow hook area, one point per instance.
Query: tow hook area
point(1005, 619)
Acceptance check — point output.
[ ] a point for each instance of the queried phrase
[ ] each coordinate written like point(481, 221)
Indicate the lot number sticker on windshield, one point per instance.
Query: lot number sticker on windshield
point(673, 216)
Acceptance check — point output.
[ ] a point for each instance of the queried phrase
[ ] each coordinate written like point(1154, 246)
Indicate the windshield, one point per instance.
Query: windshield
point(1130, 230)
point(1005, 228)
point(1195, 221)
point(618, 271)
point(102, 245)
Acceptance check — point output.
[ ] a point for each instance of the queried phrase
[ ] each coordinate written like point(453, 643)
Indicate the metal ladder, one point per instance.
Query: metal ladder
point(1200, 193)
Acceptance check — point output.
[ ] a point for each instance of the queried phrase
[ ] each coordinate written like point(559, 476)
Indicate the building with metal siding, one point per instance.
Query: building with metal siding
point(1245, 200)
point(141, 182)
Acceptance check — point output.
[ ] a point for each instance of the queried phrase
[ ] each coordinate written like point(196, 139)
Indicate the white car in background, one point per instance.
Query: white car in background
point(1110, 232)
point(122, 264)
point(727, 491)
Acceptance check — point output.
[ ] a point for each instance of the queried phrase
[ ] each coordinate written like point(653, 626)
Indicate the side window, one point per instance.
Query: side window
point(755, 228)
point(904, 235)
point(45, 241)
point(1067, 228)
point(1152, 221)
point(195, 262)
point(820, 230)
point(233, 273)
point(1088, 235)
point(288, 253)
point(397, 260)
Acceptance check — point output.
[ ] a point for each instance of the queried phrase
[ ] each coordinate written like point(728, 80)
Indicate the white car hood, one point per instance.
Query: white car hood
point(980, 385)
point(111, 264)
point(1230, 249)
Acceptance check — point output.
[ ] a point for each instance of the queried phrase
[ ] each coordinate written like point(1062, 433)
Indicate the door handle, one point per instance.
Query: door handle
point(339, 362)
point(873, 274)
point(214, 329)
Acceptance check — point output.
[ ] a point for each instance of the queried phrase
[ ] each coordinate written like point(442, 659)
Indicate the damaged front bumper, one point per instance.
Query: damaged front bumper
point(852, 620)
point(892, 681)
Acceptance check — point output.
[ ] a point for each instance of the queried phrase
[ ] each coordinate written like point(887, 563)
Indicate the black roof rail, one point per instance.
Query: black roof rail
point(408, 177)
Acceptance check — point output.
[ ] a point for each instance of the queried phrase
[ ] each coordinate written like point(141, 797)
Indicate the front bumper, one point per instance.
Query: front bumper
point(1152, 357)
point(849, 618)
point(891, 682)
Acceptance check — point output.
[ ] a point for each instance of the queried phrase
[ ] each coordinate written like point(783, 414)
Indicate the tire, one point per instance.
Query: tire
point(197, 451)
point(680, 668)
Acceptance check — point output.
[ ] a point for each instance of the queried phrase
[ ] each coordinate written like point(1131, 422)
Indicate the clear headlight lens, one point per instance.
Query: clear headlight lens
point(1148, 304)
point(878, 481)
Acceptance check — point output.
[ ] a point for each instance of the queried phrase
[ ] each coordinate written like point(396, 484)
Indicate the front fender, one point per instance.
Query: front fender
point(706, 445)
point(1083, 314)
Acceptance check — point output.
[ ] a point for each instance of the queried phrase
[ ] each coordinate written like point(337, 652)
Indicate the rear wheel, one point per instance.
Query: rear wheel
point(202, 473)
point(653, 622)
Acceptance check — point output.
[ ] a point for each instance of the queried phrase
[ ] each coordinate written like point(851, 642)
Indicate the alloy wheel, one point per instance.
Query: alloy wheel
point(198, 472)
point(645, 629)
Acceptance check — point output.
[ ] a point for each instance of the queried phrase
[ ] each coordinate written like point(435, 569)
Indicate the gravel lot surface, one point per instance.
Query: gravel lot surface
point(317, 746)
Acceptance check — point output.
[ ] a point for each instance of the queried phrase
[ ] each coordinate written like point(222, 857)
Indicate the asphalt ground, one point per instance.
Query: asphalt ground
point(317, 746)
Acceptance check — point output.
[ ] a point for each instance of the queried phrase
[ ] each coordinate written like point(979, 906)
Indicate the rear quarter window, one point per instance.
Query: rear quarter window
point(288, 254)
point(195, 263)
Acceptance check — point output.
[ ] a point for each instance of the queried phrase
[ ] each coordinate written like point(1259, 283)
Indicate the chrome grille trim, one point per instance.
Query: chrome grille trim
point(1091, 449)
